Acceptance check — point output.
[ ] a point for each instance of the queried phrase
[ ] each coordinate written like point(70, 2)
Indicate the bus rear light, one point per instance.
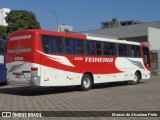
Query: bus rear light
point(34, 69)
point(34, 72)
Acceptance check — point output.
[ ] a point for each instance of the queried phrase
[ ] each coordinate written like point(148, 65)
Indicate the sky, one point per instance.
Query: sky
point(86, 15)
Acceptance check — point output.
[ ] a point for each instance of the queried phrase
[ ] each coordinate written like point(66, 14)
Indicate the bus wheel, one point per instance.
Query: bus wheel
point(136, 79)
point(86, 82)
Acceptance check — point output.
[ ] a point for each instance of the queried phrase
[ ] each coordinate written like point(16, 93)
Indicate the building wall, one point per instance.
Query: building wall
point(154, 42)
point(3, 14)
point(130, 31)
point(65, 28)
point(154, 38)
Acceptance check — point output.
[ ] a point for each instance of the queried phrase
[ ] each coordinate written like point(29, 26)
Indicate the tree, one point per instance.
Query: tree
point(20, 20)
point(3, 32)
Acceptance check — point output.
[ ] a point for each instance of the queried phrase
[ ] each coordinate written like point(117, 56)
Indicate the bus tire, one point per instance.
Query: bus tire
point(136, 79)
point(86, 82)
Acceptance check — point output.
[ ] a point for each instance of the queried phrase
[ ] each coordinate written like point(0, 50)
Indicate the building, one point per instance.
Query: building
point(147, 33)
point(65, 28)
point(116, 23)
point(3, 14)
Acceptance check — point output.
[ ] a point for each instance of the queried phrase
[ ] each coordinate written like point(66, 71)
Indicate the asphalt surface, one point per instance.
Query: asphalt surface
point(103, 97)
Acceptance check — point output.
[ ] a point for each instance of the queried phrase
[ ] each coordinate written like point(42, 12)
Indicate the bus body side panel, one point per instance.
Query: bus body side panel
point(55, 77)
point(130, 66)
point(61, 70)
point(52, 73)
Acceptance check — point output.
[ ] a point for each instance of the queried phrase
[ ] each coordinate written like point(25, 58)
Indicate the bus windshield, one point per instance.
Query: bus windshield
point(20, 43)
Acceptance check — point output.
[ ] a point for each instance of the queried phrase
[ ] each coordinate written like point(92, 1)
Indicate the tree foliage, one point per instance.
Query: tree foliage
point(3, 32)
point(20, 20)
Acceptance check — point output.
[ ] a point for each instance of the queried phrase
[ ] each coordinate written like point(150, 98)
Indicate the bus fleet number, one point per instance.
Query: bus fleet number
point(78, 58)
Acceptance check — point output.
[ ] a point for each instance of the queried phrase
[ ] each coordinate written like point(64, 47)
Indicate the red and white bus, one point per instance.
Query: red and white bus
point(47, 58)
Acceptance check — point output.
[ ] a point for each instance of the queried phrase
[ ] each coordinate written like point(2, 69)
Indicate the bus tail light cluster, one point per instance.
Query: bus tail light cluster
point(34, 72)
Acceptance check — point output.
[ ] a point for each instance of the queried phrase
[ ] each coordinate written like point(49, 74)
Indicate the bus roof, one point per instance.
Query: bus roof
point(111, 40)
point(72, 35)
point(75, 35)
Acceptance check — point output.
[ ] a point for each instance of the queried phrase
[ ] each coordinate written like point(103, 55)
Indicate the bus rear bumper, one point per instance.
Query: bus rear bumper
point(32, 81)
point(35, 81)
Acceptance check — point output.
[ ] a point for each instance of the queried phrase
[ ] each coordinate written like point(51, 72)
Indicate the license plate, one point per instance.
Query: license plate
point(18, 75)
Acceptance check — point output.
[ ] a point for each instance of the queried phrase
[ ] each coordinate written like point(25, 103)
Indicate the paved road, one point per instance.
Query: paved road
point(107, 97)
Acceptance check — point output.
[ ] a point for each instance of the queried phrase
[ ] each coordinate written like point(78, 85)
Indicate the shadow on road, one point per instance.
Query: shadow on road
point(37, 91)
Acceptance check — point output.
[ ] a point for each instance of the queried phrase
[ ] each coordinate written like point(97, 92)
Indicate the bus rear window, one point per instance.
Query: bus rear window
point(21, 43)
point(52, 44)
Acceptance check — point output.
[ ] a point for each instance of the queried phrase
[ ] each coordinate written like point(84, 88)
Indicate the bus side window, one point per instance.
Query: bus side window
point(57, 44)
point(69, 46)
point(135, 51)
point(90, 48)
point(94, 48)
point(109, 48)
point(46, 42)
point(132, 50)
point(120, 50)
point(123, 50)
point(97, 48)
point(113, 50)
point(79, 46)
point(138, 51)
point(106, 48)
point(126, 50)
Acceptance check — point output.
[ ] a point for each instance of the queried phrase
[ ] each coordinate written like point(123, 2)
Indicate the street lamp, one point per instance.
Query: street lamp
point(56, 16)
